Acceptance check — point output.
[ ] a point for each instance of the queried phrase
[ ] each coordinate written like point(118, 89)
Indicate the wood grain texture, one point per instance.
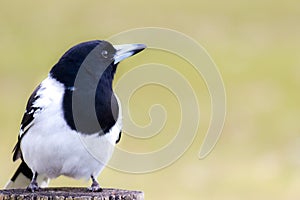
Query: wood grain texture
point(71, 194)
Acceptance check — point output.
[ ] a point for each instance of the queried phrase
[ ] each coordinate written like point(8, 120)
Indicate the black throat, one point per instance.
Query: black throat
point(93, 107)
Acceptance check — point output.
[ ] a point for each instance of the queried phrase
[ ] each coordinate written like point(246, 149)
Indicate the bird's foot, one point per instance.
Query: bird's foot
point(33, 186)
point(95, 187)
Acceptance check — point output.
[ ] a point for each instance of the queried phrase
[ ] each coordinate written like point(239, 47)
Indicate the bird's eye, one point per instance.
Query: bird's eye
point(104, 53)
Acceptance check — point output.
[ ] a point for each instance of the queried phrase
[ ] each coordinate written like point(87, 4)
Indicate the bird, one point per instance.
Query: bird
point(73, 119)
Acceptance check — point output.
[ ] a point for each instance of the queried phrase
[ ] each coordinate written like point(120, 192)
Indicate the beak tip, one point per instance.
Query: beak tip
point(142, 46)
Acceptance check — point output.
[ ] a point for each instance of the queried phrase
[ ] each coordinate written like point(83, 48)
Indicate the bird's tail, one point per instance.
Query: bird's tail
point(23, 176)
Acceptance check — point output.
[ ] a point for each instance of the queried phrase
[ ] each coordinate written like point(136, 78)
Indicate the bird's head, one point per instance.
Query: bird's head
point(93, 58)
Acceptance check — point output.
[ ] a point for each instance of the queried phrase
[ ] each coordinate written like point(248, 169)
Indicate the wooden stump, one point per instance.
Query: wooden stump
point(71, 194)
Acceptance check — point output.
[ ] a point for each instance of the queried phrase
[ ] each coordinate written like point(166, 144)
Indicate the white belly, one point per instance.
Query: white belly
point(66, 153)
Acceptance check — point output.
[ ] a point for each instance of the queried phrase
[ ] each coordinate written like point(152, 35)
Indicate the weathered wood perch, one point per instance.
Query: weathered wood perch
point(70, 194)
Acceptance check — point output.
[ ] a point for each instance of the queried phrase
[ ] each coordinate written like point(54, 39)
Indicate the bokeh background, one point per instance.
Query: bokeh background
point(256, 47)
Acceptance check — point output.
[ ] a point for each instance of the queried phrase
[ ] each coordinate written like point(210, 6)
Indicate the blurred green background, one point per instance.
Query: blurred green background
point(256, 46)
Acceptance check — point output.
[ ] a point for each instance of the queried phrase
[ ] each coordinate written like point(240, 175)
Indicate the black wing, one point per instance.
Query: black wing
point(27, 122)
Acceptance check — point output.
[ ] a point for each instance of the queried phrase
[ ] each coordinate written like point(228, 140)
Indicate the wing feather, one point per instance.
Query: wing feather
point(27, 122)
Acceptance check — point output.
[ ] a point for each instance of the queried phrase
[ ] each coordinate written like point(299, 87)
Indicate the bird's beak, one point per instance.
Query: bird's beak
point(127, 50)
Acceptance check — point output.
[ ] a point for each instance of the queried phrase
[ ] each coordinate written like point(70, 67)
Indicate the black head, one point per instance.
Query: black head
point(99, 55)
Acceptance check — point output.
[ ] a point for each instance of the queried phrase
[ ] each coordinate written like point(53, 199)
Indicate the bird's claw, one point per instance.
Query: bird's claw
point(33, 186)
point(95, 187)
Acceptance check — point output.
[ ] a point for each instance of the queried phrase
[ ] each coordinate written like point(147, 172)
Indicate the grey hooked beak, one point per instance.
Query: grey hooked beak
point(127, 50)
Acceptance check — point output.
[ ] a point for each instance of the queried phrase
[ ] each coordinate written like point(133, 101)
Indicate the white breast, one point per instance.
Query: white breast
point(50, 147)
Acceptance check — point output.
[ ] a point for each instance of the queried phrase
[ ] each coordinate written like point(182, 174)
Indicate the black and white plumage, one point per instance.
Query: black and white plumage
point(73, 118)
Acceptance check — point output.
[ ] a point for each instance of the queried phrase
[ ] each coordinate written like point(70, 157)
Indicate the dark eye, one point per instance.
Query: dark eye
point(104, 53)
